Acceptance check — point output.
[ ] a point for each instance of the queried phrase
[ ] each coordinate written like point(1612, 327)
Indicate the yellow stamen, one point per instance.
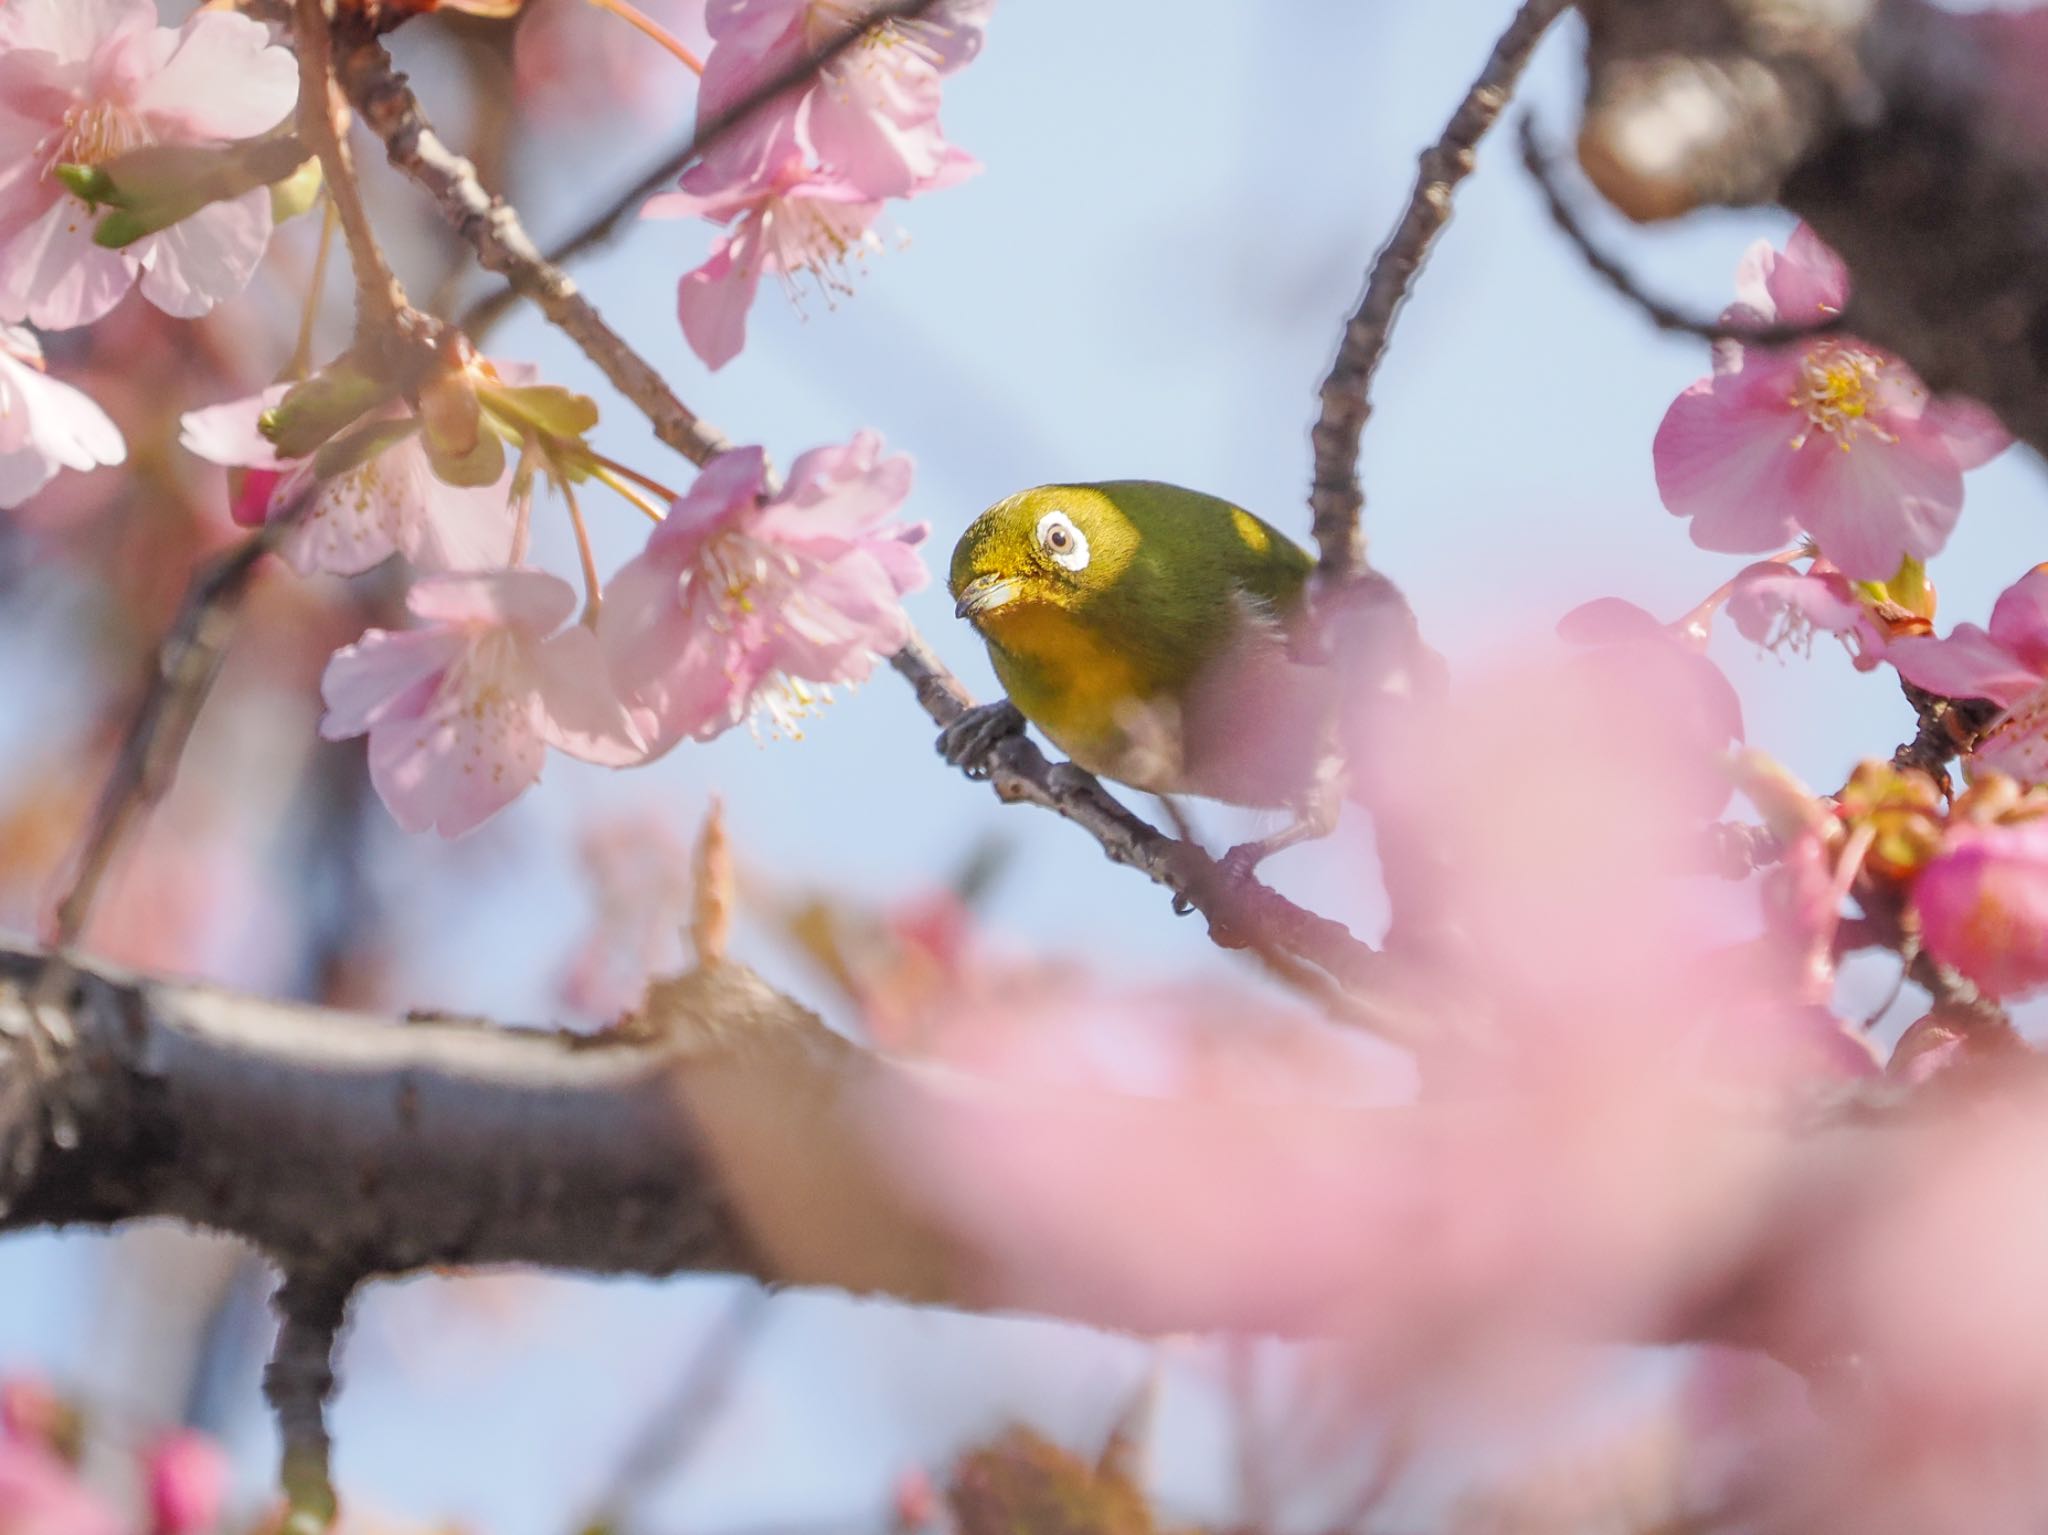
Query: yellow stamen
point(1836, 388)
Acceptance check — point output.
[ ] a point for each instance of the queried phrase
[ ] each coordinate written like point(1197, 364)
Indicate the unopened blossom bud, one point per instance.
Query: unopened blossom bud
point(1983, 906)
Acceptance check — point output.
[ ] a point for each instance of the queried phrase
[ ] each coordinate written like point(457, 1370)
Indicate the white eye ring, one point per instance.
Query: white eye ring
point(1067, 544)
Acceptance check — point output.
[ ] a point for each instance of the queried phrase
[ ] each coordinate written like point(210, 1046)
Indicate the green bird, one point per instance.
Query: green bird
point(1145, 630)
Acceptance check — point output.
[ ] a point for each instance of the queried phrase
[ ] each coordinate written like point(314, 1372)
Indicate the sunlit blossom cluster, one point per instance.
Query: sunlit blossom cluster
point(752, 602)
point(804, 180)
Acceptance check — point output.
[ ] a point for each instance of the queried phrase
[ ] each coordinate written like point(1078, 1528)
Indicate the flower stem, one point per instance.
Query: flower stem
point(635, 17)
point(636, 477)
point(627, 493)
point(380, 299)
point(316, 288)
point(592, 595)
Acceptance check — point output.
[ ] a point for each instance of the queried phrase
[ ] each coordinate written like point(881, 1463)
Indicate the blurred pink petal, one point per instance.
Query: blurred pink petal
point(40, 1495)
point(1983, 906)
point(45, 425)
point(188, 1483)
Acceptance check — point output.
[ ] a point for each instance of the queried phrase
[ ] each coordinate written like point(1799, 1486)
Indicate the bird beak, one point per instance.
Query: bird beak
point(983, 593)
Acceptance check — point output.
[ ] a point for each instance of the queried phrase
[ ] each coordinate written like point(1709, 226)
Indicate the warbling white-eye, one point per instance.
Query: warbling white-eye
point(1145, 630)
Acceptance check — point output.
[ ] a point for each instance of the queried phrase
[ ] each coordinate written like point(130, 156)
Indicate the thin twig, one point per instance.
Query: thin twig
point(1335, 497)
point(380, 298)
point(688, 1413)
point(387, 105)
point(297, 1383)
point(492, 308)
point(1665, 316)
point(183, 673)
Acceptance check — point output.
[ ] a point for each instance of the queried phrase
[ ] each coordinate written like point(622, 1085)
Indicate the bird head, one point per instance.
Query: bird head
point(1058, 546)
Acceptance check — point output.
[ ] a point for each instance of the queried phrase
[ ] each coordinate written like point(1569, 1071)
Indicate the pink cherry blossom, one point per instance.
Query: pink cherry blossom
point(1983, 906)
point(743, 602)
point(2008, 664)
point(796, 219)
point(391, 504)
point(1783, 609)
point(41, 1495)
point(188, 1483)
point(873, 115)
point(45, 425)
point(460, 710)
point(1833, 437)
point(82, 81)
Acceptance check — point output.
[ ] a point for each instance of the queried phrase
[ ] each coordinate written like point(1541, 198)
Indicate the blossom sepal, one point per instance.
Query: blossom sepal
point(151, 188)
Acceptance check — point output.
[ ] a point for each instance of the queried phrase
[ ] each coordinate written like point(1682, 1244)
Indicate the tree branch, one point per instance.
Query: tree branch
point(728, 1131)
point(387, 105)
point(380, 298)
point(297, 1383)
point(1335, 499)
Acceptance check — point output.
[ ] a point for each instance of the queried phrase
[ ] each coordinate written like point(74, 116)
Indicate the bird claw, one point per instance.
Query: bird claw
point(1241, 863)
point(968, 741)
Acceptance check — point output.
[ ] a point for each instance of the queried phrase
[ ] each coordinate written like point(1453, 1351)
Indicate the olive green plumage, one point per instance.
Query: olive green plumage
point(1142, 627)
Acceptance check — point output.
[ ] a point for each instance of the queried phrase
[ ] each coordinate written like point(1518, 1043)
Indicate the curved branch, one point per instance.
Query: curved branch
point(1335, 498)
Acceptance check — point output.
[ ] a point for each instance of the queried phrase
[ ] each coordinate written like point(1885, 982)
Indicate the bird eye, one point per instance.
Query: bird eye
point(1067, 544)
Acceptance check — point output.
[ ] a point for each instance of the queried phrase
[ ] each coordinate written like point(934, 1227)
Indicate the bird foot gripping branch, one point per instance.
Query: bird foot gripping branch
point(969, 741)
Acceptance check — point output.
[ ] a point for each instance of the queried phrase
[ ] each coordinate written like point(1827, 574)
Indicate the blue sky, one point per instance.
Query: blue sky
point(1145, 282)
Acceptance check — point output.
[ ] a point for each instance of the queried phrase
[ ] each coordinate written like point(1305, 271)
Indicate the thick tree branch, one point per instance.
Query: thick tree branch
point(1335, 499)
point(1910, 137)
point(726, 1130)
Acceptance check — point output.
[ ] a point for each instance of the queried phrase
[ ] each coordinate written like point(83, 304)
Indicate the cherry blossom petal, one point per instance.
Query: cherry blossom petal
point(459, 764)
point(71, 29)
point(229, 434)
point(712, 301)
point(208, 257)
point(1809, 282)
point(2018, 743)
point(1983, 906)
point(368, 681)
point(53, 276)
point(1870, 503)
point(1967, 664)
point(223, 80)
point(1771, 604)
point(531, 601)
point(583, 716)
point(1973, 433)
point(1721, 457)
point(2019, 620)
